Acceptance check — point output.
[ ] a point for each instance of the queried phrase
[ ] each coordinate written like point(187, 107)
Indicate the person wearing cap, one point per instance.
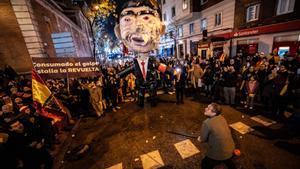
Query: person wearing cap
point(25, 110)
point(139, 28)
point(216, 133)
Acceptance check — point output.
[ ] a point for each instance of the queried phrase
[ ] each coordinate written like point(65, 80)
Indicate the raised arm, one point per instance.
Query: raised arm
point(126, 71)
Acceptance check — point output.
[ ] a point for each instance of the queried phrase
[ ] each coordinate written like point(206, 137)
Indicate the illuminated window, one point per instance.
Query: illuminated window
point(285, 6)
point(203, 25)
point(252, 13)
point(283, 50)
point(218, 19)
point(184, 4)
point(191, 28)
point(180, 31)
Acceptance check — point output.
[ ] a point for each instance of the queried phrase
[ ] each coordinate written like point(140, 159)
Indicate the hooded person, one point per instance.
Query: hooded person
point(140, 28)
point(96, 98)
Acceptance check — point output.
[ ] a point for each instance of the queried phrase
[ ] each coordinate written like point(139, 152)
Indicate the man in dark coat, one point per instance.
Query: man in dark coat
point(216, 133)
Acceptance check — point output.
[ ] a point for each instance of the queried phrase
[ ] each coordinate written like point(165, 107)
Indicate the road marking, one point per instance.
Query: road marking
point(186, 148)
point(160, 92)
point(152, 160)
point(241, 127)
point(263, 120)
point(117, 166)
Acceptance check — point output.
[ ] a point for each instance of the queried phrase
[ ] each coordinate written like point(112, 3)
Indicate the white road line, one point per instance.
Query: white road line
point(263, 120)
point(241, 127)
point(152, 160)
point(186, 148)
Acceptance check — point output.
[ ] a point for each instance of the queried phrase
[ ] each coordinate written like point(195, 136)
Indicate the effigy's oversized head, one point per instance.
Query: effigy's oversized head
point(140, 26)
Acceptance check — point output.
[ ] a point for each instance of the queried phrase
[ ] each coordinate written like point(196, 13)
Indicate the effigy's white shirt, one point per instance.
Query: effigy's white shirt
point(146, 60)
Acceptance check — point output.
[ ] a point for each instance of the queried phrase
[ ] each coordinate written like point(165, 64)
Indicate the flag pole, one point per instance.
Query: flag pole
point(68, 83)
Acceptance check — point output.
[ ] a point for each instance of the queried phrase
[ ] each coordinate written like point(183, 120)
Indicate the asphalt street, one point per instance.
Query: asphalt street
point(151, 137)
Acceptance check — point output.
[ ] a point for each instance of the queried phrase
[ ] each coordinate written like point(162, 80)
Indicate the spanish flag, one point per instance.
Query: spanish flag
point(44, 102)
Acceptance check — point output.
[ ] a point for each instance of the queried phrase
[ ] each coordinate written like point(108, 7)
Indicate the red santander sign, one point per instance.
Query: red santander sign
point(246, 33)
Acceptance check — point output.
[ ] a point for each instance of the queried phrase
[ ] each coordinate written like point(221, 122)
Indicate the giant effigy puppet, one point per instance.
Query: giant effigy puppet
point(140, 28)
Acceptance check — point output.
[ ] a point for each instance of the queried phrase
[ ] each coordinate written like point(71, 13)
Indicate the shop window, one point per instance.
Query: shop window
point(191, 28)
point(285, 6)
point(283, 50)
point(193, 48)
point(203, 1)
point(203, 25)
point(288, 43)
point(249, 47)
point(218, 19)
point(180, 31)
point(181, 53)
point(252, 13)
point(173, 11)
point(184, 4)
point(203, 53)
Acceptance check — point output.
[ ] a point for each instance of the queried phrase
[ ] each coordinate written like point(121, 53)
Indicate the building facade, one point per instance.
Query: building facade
point(216, 17)
point(173, 12)
point(193, 21)
point(40, 28)
point(264, 25)
point(212, 27)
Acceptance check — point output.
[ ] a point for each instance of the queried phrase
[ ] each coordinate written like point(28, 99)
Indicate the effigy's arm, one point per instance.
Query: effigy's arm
point(126, 71)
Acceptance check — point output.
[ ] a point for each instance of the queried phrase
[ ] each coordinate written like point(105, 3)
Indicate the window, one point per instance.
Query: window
point(203, 25)
point(218, 19)
point(173, 11)
point(164, 1)
point(165, 17)
point(285, 6)
point(180, 31)
point(203, 1)
point(191, 28)
point(184, 4)
point(171, 34)
point(252, 13)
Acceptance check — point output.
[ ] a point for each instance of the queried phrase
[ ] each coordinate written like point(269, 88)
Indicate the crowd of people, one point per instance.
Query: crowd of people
point(25, 136)
point(236, 81)
point(243, 81)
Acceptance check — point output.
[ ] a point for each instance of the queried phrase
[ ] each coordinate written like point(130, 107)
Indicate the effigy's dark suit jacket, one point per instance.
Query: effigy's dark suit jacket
point(151, 73)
